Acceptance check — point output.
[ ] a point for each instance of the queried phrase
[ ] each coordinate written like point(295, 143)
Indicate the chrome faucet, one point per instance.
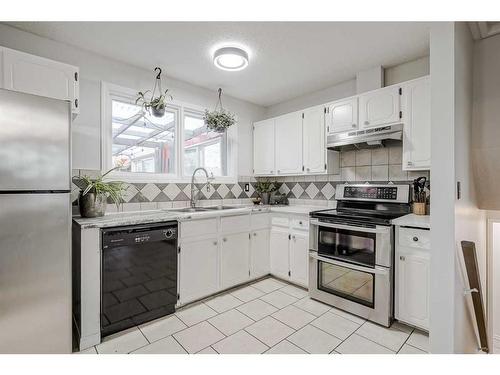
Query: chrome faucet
point(195, 192)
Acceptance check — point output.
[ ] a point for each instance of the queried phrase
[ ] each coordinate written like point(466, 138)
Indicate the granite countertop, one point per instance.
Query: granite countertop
point(412, 220)
point(155, 216)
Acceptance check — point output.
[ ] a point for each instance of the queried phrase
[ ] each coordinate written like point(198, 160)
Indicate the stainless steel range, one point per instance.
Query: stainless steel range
point(351, 252)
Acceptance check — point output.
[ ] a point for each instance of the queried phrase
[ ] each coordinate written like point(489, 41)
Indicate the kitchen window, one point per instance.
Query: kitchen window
point(202, 147)
point(141, 142)
point(145, 148)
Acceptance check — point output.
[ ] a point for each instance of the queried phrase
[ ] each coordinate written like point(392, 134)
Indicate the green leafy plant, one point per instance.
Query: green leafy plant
point(219, 119)
point(111, 189)
point(156, 104)
point(265, 186)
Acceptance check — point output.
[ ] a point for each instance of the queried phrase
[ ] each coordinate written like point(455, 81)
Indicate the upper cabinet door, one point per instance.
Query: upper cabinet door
point(417, 124)
point(36, 75)
point(263, 148)
point(313, 127)
point(342, 116)
point(289, 143)
point(380, 107)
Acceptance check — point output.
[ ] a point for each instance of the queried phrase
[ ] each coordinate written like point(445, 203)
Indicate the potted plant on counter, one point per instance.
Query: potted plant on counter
point(265, 188)
point(94, 193)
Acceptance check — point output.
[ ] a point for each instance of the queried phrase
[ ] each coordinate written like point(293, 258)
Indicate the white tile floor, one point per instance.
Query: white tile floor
point(268, 316)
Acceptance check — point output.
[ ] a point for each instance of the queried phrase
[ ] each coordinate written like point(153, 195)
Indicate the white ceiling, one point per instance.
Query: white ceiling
point(287, 59)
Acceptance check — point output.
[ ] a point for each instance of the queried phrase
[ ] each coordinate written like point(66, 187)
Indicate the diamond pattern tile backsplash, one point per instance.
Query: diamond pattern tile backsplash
point(378, 165)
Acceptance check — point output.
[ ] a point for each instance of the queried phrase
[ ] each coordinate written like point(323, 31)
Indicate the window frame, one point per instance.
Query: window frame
point(110, 92)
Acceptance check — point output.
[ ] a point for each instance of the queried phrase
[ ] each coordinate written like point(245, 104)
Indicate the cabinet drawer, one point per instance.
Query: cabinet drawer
point(300, 223)
point(196, 228)
point(233, 224)
point(281, 221)
point(259, 221)
point(417, 238)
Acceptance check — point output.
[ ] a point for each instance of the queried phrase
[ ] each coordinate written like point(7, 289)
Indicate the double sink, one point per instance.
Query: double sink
point(204, 209)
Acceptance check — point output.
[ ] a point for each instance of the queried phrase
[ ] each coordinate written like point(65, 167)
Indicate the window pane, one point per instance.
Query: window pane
point(203, 148)
point(142, 143)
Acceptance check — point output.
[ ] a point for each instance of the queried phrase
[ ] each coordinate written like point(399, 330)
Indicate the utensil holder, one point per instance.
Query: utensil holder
point(419, 208)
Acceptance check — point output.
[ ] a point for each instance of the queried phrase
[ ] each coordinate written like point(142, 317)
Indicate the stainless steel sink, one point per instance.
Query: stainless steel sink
point(220, 208)
point(202, 209)
point(191, 209)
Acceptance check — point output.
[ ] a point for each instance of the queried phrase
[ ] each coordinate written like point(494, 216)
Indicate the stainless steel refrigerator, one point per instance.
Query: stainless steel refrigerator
point(35, 224)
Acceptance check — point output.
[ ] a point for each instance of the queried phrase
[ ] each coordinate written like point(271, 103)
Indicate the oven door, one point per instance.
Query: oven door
point(363, 291)
point(365, 246)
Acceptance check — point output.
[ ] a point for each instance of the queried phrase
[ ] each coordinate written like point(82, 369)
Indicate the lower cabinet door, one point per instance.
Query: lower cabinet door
point(234, 259)
point(299, 259)
point(412, 288)
point(198, 270)
point(259, 253)
point(278, 253)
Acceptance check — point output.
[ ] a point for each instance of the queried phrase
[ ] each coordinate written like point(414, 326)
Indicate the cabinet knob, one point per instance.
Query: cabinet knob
point(402, 258)
point(215, 242)
point(279, 171)
point(254, 234)
point(367, 122)
point(271, 172)
point(224, 239)
point(300, 222)
point(308, 169)
point(354, 125)
point(415, 239)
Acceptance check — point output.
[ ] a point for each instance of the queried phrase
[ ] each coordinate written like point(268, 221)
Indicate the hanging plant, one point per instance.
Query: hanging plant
point(219, 119)
point(155, 105)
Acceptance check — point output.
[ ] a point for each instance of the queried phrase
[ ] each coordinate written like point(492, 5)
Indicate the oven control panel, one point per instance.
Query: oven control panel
point(371, 192)
point(391, 193)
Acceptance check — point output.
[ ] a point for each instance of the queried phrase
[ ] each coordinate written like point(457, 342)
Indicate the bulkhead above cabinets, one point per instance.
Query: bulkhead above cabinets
point(296, 143)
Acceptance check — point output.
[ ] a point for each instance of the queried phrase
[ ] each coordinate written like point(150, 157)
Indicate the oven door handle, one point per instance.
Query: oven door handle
point(318, 223)
point(376, 270)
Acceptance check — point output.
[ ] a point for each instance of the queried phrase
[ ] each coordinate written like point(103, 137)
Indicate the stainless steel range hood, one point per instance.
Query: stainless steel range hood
point(368, 138)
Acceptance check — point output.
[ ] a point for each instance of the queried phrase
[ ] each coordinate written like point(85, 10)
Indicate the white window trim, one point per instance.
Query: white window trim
point(111, 91)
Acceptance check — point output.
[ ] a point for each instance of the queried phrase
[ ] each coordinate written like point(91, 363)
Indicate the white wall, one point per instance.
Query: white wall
point(486, 114)
point(338, 91)
point(95, 68)
point(470, 222)
point(406, 71)
point(441, 330)
point(452, 220)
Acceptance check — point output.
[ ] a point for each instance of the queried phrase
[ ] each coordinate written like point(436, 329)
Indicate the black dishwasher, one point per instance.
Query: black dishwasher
point(138, 275)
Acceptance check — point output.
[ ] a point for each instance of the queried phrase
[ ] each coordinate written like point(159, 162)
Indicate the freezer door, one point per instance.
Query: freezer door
point(35, 137)
point(35, 273)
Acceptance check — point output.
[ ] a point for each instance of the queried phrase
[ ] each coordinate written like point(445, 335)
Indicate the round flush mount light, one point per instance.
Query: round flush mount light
point(231, 58)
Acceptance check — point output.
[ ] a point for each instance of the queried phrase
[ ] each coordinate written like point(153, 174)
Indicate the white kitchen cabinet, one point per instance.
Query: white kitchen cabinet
point(417, 124)
point(234, 259)
point(380, 107)
point(198, 269)
point(299, 258)
point(342, 115)
point(263, 148)
point(412, 276)
point(279, 253)
point(288, 144)
point(314, 144)
point(36, 75)
point(259, 253)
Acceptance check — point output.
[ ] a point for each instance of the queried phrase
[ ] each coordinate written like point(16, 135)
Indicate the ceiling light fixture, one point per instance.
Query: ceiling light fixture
point(231, 58)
